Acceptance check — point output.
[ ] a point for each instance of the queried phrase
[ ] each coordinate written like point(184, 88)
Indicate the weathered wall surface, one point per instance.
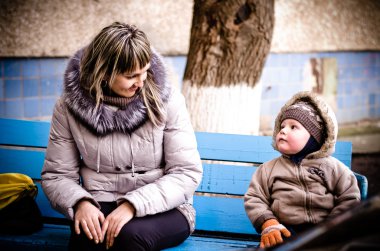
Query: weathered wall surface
point(326, 25)
point(59, 27)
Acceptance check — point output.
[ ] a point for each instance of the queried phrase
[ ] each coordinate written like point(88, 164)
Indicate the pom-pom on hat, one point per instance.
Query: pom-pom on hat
point(308, 116)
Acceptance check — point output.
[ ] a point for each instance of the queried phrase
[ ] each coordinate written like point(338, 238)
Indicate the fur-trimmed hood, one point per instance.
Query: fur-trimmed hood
point(106, 119)
point(326, 113)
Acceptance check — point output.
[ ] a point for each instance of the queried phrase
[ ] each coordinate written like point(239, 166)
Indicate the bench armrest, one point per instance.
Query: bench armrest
point(363, 185)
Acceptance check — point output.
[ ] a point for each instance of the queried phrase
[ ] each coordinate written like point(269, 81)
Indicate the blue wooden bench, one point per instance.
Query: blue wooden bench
point(221, 223)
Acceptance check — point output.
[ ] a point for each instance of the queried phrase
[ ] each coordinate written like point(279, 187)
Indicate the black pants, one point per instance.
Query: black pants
point(298, 229)
point(153, 232)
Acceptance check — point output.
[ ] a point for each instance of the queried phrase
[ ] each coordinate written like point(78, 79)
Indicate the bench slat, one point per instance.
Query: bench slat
point(217, 178)
point(222, 214)
point(24, 132)
point(251, 149)
point(212, 146)
point(196, 243)
point(236, 148)
point(28, 162)
point(226, 179)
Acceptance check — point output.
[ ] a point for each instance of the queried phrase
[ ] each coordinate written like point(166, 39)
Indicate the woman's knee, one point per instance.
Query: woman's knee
point(153, 232)
point(133, 237)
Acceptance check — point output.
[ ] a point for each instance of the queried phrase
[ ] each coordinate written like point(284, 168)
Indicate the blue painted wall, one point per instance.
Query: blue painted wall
point(29, 87)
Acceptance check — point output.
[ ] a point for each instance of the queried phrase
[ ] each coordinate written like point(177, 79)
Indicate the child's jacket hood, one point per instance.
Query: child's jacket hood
point(325, 112)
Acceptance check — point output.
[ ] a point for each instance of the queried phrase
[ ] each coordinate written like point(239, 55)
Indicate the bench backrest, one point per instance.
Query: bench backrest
point(219, 197)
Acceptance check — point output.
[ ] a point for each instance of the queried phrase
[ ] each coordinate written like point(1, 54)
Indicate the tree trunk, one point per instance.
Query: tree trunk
point(229, 43)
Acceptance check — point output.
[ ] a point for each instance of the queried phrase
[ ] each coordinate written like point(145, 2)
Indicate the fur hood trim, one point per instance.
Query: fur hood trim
point(326, 113)
point(106, 119)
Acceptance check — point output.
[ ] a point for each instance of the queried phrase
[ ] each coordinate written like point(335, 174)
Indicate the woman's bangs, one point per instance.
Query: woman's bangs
point(144, 55)
point(133, 58)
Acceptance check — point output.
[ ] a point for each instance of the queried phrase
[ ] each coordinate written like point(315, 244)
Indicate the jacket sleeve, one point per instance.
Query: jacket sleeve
point(257, 199)
point(183, 167)
point(345, 188)
point(60, 173)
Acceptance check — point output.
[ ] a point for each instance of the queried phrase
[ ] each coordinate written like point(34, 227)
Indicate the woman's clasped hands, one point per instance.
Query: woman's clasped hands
point(99, 228)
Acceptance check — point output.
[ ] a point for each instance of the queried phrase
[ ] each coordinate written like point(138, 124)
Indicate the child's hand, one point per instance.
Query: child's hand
point(272, 233)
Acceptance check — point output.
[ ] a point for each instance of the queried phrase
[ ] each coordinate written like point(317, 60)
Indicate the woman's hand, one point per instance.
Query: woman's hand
point(116, 220)
point(90, 218)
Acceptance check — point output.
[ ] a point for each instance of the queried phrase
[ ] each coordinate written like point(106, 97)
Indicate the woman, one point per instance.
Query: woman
point(122, 161)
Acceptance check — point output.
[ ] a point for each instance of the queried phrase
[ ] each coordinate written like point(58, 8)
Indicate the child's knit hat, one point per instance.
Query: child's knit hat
point(308, 116)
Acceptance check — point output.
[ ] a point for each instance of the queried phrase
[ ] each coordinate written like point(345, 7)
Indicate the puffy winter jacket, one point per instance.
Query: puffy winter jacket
point(113, 154)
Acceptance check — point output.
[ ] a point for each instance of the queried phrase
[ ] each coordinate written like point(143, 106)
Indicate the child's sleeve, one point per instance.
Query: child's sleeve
point(257, 199)
point(346, 190)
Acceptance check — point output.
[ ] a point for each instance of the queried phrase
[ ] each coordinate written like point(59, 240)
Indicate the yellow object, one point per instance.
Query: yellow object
point(14, 186)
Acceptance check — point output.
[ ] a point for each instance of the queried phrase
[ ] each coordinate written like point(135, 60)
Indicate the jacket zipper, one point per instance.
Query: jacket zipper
point(307, 195)
point(132, 164)
point(98, 155)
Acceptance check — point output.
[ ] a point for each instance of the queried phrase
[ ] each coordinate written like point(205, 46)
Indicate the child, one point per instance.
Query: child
point(305, 185)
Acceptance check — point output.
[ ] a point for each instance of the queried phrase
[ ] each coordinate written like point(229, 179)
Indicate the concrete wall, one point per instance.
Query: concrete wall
point(326, 25)
point(55, 28)
point(59, 27)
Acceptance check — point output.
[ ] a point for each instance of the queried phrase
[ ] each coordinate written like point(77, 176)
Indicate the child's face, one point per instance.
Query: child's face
point(292, 137)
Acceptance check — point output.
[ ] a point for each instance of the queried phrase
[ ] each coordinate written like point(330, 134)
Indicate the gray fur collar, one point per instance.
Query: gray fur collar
point(106, 119)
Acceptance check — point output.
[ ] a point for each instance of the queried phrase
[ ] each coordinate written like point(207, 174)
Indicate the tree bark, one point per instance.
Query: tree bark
point(229, 43)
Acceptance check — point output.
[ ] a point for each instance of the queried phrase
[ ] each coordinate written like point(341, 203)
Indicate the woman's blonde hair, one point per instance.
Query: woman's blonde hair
point(119, 48)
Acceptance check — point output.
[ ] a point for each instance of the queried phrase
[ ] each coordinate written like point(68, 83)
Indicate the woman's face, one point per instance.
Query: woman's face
point(127, 84)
